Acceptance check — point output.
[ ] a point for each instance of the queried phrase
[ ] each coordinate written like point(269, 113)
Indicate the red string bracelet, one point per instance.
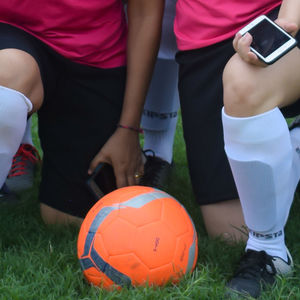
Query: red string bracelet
point(136, 129)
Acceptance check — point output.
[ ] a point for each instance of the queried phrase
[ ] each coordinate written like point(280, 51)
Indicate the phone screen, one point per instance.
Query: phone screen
point(267, 38)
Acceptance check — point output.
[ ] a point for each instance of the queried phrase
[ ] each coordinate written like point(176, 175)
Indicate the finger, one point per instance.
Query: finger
point(132, 179)
point(135, 174)
point(244, 43)
point(253, 59)
point(140, 167)
point(244, 51)
point(139, 174)
point(95, 162)
point(236, 39)
point(121, 179)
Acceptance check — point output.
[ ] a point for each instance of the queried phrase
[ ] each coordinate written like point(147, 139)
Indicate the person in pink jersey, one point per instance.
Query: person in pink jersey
point(158, 120)
point(262, 154)
point(201, 61)
point(68, 62)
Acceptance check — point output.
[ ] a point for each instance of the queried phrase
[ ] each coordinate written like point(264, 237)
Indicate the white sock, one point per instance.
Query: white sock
point(162, 101)
point(161, 108)
point(295, 139)
point(273, 246)
point(161, 141)
point(261, 158)
point(14, 107)
point(27, 138)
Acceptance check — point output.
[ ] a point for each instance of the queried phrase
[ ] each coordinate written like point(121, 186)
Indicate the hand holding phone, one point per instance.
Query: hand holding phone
point(270, 41)
point(102, 181)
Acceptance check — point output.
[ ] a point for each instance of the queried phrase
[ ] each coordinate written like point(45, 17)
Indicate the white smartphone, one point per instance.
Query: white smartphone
point(270, 41)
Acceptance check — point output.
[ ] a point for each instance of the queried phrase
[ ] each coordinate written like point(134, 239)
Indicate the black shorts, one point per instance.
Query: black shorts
point(82, 105)
point(201, 100)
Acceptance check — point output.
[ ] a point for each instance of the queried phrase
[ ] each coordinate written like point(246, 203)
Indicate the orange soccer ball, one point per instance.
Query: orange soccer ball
point(135, 236)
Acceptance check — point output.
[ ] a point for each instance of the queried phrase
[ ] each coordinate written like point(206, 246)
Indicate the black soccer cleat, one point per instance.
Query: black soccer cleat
point(256, 271)
point(156, 171)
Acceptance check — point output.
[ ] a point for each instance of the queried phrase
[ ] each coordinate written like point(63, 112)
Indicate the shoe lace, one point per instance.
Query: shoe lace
point(25, 153)
point(254, 263)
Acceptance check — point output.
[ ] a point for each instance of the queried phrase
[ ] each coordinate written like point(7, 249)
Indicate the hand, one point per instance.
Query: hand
point(241, 45)
point(123, 152)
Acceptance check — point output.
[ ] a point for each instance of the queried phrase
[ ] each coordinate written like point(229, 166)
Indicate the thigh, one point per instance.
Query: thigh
point(73, 125)
point(201, 99)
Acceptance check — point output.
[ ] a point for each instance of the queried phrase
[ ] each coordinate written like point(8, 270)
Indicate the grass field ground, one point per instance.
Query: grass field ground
point(39, 262)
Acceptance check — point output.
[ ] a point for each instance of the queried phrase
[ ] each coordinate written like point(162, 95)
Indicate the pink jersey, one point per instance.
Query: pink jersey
point(91, 32)
point(200, 23)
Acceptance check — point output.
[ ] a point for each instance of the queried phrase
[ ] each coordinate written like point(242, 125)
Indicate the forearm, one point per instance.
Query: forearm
point(144, 29)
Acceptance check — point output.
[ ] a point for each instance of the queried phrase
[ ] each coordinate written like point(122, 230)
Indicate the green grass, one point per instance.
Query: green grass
point(39, 262)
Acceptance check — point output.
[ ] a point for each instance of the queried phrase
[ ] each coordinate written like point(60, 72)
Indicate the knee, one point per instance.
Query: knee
point(240, 91)
point(19, 71)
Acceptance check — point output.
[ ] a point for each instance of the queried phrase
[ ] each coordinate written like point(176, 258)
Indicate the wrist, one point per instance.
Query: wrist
point(132, 128)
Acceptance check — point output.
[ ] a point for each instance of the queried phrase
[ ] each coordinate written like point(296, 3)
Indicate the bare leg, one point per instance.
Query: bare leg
point(225, 220)
point(53, 216)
